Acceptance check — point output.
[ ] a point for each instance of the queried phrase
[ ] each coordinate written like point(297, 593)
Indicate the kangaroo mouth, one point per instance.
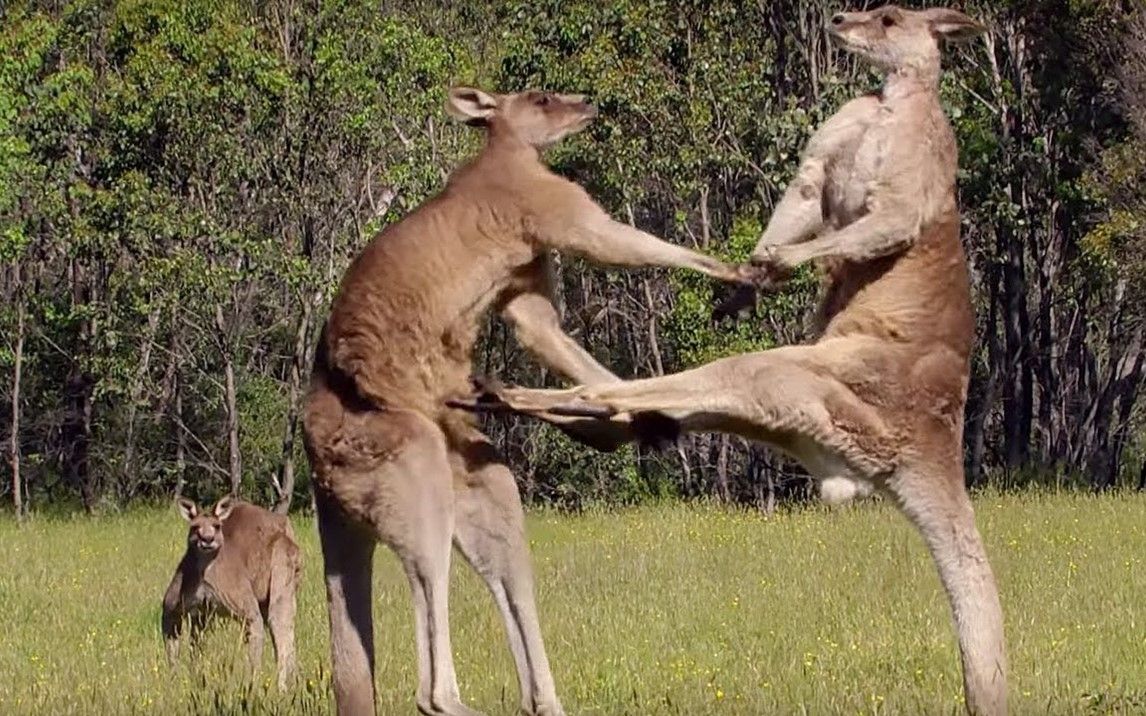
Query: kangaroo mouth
point(207, 546)
point(579, 126)
point(584, 120)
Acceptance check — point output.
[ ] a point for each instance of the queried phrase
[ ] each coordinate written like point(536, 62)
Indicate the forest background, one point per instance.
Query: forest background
point(182, 183)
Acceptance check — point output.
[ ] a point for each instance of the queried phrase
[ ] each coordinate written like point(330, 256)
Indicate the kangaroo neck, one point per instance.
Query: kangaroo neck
point(502, 139)
point(905, 82)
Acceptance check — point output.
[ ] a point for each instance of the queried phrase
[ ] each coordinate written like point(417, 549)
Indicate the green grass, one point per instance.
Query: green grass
point(671, 609)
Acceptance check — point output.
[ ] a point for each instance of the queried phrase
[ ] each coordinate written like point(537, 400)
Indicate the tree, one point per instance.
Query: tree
point(182, 185)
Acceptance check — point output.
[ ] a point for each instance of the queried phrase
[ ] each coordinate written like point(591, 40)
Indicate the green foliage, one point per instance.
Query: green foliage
point(182, 184)
point(1117, 242)
point(689, 326)
point(682, 86)
point(261, 409)
point(165, 161)
point(569, 475)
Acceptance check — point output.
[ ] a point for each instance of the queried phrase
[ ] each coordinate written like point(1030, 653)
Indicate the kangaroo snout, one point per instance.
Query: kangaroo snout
point(577, 103)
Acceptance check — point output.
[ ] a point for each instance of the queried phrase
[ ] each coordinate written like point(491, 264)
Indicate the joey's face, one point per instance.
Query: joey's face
point(892, 38)
point(205, 528)
point(538, 118)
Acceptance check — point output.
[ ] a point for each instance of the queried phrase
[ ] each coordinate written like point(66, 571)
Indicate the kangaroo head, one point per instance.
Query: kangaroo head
point(205, 531)
point(894, 39)
point(537, 118)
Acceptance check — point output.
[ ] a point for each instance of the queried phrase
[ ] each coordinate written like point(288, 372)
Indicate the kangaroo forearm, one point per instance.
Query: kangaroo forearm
point(171, 623)
point(538, 329)
point(562, 354)
point(613, 243)
point(872, 237)
point(800, 213)
point(172, 627)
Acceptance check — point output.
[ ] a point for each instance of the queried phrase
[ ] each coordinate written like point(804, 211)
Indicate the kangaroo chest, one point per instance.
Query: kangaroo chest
point(199, 596)
point(856, 169)
point(461, 335)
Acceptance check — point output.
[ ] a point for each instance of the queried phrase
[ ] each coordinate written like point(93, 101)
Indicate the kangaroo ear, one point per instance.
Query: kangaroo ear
point(187, 508)
point(953, 25)
point(470, 105)
point(223, 507)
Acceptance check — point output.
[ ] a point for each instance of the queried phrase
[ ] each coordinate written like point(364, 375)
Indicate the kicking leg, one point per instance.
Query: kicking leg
point(786, 397)
point(490, 533)
point(687, 394)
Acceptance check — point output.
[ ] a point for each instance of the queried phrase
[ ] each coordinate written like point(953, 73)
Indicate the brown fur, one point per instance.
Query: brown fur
point(877, 401)
point(242, 561)
point(390, 461)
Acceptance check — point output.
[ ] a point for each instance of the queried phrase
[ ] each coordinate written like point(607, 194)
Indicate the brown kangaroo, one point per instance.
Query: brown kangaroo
point(877, 401)
point(390, 461)
point(241, 560)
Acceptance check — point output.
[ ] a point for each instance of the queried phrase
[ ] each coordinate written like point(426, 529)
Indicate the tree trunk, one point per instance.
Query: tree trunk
point(284, 483)
point(1017, 379)
point(235, 465)
point(1018, 400)
point(654, 342)
point(1107, 442)
point(76, 430)
point(1069, 384)
point(1050, 340)
point(984, 399)
point(722, 489)
point(14, 428)
point(685, 466)
point(977, 428)
point(180, 439)
point(1121, 436)
point(131, 480)
point(1128, 390)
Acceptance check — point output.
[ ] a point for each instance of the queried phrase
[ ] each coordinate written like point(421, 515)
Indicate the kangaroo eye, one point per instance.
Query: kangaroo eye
point(888, 20)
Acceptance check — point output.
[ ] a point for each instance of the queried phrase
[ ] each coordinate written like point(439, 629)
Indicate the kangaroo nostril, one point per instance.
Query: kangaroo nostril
point(838, 19)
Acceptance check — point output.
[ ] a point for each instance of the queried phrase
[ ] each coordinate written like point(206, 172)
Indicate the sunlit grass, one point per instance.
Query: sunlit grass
point(668, 610)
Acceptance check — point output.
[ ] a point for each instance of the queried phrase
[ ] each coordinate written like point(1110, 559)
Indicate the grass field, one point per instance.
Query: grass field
point(660, 610)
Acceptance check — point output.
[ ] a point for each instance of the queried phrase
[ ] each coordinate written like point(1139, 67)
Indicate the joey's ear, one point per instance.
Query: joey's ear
point(470, 105)
point(223, 507)
point(953, 25)
point(187, 508)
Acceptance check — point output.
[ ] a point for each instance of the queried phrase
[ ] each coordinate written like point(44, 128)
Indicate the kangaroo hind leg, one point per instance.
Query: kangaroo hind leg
point(937, 503)
point(412, 511)
point(786, 397)
point(490, 533)
point(347, 555)
point(281, 607)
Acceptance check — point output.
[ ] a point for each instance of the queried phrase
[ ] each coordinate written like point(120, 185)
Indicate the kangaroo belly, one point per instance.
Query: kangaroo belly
point(921, 296)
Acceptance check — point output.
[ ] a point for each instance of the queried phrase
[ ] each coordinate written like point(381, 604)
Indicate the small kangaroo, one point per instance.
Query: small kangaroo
point(391, 462)
point(877, 401)
point(241, 560)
